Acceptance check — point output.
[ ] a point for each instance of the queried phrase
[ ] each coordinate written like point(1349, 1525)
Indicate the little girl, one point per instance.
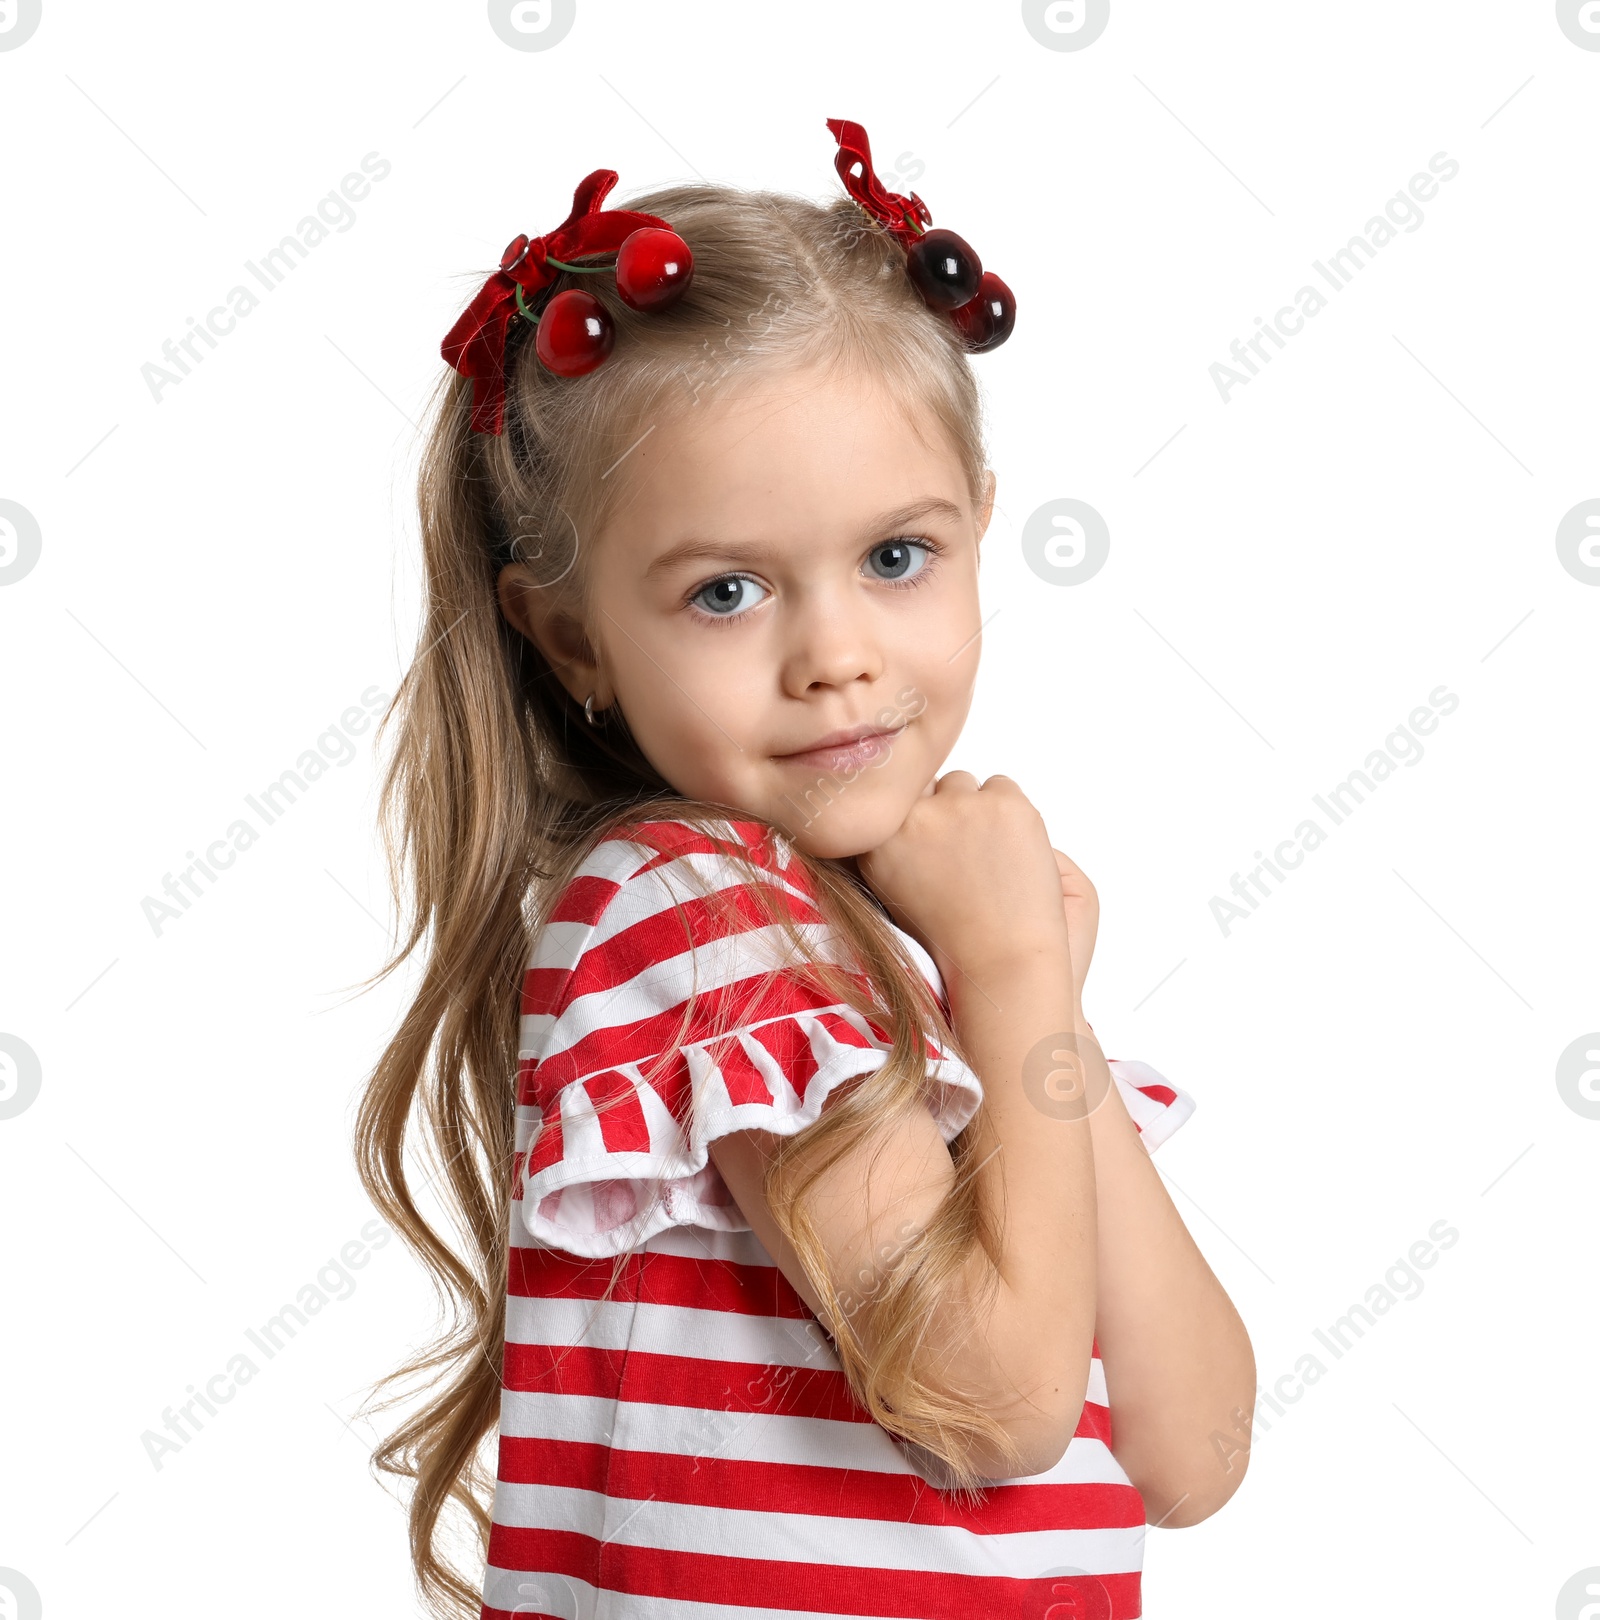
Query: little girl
point(840, 1281)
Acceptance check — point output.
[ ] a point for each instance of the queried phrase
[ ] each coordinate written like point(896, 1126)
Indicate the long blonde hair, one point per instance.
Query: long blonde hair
point(496, 790)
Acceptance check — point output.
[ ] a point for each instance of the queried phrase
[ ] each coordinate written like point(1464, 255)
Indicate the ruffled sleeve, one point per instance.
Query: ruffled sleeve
point(665, 1012)
point(1156, 1106)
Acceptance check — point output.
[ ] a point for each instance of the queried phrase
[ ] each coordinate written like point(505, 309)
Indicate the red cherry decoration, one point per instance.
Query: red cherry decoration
point(985, 323)
point(523, 260)
point(575, 333)
point(654, 268)
point(945, 269)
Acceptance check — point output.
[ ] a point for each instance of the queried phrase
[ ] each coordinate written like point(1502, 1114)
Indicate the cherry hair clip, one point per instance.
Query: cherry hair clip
point(574, 331)
point(653, 266)
point(942, 266)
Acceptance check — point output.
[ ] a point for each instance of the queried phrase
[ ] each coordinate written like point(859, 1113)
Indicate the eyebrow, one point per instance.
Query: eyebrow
point(707, 550)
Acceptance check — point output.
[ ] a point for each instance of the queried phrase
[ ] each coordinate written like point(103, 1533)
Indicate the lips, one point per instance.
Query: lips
point(859, 745)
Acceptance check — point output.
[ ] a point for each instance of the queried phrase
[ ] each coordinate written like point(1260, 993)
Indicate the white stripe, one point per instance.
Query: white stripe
point(730, 1532)
point(1156, 1120)
point(780, 1438)
point(741, 1248)
point(570, 1598)
point(683, 880)
point(692, 1332)
point(667, 983)
point(559, 944)
point(670, 1330)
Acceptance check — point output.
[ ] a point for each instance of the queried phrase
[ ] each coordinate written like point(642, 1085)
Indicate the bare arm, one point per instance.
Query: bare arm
point(1178, 1362)
point(1017, 1329)
point(1180, 1372)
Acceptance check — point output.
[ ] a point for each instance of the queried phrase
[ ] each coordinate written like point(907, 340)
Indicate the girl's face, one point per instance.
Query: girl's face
point(784, 605)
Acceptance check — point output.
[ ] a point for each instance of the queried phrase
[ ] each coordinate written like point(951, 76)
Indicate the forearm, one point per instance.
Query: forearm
point(1030, 1319)
point(1177, 1358)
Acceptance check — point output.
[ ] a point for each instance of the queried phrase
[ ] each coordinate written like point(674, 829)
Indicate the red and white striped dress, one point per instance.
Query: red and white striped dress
point(689, 1447)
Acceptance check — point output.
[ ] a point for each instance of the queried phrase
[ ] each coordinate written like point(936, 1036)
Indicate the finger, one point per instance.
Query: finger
point(1066, 865)
point(957, 782)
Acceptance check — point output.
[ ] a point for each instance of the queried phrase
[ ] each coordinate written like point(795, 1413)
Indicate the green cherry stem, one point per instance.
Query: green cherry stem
point(562, 264)
point(582, 269)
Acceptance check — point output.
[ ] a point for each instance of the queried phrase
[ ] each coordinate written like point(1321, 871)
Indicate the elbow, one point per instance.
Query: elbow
point(1040, 1440)
point(1041, 1448)
point(1176, 1500)
point(1039, 1410)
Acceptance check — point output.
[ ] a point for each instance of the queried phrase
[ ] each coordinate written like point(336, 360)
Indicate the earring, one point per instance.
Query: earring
point(588, 710)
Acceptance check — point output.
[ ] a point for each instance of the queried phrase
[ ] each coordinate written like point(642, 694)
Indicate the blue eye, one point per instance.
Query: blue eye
point(729, 596)
point(898, 559)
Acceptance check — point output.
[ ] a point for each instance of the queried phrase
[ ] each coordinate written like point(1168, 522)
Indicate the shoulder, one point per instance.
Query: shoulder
point(647, 881)
point(646, 858)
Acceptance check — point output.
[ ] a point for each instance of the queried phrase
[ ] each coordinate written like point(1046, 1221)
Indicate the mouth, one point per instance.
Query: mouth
point(839, 750)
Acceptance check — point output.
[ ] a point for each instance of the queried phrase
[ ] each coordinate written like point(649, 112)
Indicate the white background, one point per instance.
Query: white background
point(224, 572)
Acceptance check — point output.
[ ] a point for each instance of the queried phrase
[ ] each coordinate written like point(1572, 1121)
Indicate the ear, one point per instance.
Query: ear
point(549, 623)
point(986, 511)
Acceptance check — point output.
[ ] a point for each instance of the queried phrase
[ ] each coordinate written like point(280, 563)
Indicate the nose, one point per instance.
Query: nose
point(832, 642)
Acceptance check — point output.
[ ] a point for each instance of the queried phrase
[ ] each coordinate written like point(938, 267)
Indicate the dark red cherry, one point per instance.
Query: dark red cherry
point(654, 267)
point(986, 322)
point(575, 333)
point(945, 269)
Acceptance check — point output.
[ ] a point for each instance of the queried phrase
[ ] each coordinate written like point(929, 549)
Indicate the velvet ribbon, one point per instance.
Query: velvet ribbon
point(476, 345)
point(889, 208)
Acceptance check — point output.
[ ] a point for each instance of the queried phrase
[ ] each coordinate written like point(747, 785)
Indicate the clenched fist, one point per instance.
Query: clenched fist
point(971, 875)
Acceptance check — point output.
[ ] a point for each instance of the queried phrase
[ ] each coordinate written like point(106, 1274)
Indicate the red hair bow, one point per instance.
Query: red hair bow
point(476, 345)
point(901, 215)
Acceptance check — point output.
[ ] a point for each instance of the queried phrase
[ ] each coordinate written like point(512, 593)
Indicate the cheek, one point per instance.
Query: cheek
point(690, 707)
point(937, 666)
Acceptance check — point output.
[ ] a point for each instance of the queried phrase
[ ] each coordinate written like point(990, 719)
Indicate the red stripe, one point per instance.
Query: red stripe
point(672, 839)
point(713, 1012)
point(684, 925)
point(584, 900)
point(525, 1086)
point(621, 1116)
point(547, 1146)
point(1094, 1423)
point(667, 1074)
point(541, 990)
point(657, 1279)
point(820, 1491)
point(695, 1382)
point(745, 1083)
point(709, 1386)
point(1164, 1095)
point(790, 1046)
point(896, 1594)
point(845, 1033)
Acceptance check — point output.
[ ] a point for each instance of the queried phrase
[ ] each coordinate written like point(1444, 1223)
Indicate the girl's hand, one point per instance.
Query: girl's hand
point(1081, 906)
point(971, 875)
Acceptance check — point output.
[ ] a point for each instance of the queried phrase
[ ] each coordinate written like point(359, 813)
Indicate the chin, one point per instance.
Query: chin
point(851, 825)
